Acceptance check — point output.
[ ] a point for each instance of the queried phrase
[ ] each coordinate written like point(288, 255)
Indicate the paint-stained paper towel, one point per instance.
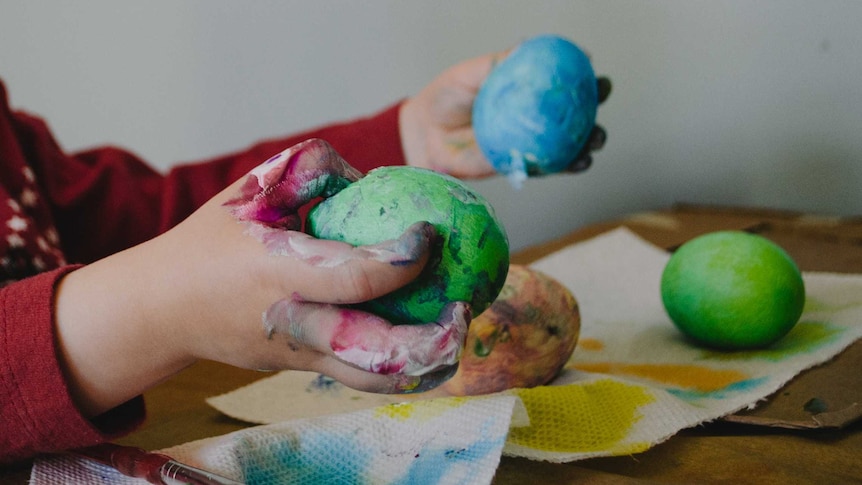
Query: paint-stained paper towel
point(632, 382)
point(442, 441)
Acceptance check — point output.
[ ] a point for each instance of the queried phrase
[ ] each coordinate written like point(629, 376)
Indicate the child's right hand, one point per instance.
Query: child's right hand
point(237, 282)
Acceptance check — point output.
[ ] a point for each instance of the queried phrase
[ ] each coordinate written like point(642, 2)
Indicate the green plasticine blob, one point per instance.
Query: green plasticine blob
point(472, 260)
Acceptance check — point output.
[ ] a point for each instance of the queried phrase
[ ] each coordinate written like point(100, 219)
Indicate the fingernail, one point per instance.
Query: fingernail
point(417, 384)
point(456, 313)
point(580, 164)
point(408, 248)
point(598, 137)
point(604, 88)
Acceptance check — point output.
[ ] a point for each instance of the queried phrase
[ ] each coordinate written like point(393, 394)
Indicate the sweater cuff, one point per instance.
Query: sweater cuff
point(36, 406)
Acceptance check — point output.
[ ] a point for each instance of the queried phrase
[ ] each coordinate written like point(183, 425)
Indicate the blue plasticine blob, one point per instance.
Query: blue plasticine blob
point(536, 109)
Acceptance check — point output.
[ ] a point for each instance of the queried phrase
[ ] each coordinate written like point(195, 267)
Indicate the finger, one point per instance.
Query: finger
point(471, 73)
point(584, 159)
point(337, 272)
point(597, 139)
point(274, 191)
point(381, 383)
point(304, 358)
point(580, 164)
point(370, 343)
point(604, 88)
point(454, 91)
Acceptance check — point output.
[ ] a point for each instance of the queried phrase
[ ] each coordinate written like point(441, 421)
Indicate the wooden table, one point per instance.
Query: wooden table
point(719, 452)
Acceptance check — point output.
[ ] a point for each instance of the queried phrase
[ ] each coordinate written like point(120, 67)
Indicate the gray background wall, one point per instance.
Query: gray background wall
point(745, 102)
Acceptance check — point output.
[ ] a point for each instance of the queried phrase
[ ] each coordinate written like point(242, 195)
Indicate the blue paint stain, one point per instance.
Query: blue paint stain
point(323, 383)
point(741, 386)
point(317, 457)
point(431, 465)
point(329, 457)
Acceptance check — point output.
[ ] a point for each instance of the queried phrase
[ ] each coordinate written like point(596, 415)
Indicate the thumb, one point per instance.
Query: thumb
point(337, 272)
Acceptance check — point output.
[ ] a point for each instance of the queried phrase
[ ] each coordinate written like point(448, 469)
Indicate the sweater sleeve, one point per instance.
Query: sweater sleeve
point(38, 414)
point(364, 143)
point(102, 201)
point(108, 199)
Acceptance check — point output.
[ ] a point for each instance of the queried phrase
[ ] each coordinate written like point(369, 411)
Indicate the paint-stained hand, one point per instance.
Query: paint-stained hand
point(269, 296)
point(436, 129)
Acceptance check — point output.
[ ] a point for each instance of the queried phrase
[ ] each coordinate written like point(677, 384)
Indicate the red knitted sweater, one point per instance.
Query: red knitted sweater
point(60, 210)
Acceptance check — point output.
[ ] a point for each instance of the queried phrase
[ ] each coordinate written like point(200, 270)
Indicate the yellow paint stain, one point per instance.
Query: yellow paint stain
point(422, 410)
point(589, 417)
point(590, 344)
point(694, 377)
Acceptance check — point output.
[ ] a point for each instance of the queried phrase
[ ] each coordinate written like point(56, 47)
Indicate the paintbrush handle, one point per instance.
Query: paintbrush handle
point(154, 467)
point(176, 473)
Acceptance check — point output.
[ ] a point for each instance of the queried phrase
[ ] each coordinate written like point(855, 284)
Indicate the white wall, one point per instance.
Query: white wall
point(740, 102)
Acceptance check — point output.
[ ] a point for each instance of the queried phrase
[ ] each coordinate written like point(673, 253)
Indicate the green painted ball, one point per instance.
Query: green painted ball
point(732, 290)
point(473, 258)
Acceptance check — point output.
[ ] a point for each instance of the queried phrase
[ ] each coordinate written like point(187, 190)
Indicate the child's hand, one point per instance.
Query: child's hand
point(436, 124)
point(308, 278)
point(238, 283)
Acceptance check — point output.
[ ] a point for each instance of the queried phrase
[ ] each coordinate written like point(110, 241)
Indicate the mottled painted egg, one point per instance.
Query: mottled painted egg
point(732, 290)
point(534, 112)
point(471, 262)
point(522, 340)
